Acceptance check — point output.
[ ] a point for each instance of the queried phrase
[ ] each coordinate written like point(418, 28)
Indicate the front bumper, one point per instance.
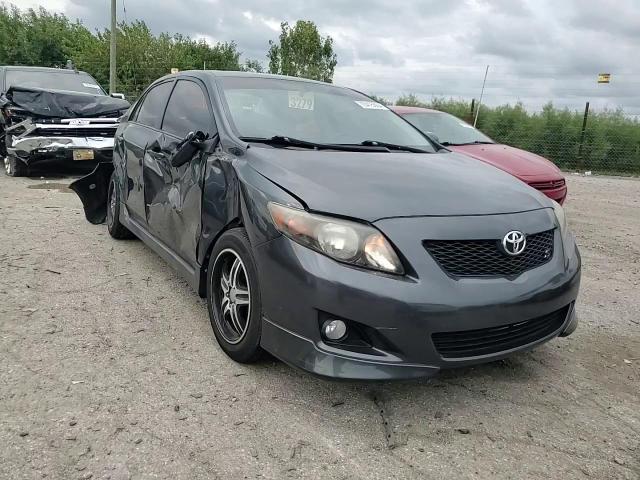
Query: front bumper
point(299, 287)
point(31, 150)
point(559, 194)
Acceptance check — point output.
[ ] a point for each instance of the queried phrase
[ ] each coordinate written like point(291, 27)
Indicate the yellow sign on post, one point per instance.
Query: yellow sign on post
point(604, 78)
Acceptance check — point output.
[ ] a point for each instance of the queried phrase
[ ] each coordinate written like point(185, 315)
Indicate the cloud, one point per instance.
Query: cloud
point(539, 50)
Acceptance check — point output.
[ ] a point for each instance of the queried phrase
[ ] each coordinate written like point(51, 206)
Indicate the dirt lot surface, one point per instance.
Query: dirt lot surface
point(110, 370)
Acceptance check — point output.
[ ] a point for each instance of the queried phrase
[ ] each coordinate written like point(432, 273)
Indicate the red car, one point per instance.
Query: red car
point(461, 137)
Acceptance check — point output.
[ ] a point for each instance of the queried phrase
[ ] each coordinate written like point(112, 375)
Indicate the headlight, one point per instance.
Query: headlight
point(342, 240)
point(568, 242)
point(562, 218)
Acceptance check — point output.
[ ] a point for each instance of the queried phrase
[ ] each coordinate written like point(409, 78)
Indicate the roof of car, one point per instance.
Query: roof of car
point(39, 69)
point(237, 74)
point(406, 110)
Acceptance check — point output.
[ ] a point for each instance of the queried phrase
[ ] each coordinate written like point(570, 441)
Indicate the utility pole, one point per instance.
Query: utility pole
point(583, 133)
point(481, 95)
point(112, 49)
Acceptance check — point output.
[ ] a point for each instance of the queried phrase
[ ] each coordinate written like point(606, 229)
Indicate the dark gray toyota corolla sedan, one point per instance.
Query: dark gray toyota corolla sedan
point(326, 230)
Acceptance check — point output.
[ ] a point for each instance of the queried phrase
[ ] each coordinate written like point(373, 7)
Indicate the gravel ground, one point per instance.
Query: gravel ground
point(110, 370)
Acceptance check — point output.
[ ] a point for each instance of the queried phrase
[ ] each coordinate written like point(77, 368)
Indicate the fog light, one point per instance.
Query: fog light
point(334, 329)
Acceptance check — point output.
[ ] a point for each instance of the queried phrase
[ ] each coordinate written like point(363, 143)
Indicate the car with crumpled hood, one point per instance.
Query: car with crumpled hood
point(55, 116)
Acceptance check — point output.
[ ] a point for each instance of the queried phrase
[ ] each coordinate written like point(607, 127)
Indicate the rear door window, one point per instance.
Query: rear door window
point(188, 111)
point(152, 107)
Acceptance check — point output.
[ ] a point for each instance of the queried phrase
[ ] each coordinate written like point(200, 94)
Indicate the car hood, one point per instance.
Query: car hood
point(41, 102)
point(520, 163)
point(371, 186)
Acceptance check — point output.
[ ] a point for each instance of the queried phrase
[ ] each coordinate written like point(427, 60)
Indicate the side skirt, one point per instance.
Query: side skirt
point(191, 275)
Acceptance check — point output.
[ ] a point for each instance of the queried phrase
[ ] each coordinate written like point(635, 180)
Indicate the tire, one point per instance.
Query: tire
point(116, 229)
point(237, 325)
point(14, 167)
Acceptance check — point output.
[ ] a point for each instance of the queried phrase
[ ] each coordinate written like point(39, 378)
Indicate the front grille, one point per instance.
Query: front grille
point(484, 258)
point(107, 131)
point(550, 185)
point(487, 341)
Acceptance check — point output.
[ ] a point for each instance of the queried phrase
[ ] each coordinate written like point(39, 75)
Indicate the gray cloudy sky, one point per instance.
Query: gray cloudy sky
point(539, 50)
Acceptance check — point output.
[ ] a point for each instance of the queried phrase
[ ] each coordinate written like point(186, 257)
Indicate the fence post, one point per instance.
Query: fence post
point(582, 135)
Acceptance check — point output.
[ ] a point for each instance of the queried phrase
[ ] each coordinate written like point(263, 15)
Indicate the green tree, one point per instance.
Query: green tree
point(142, 57)
point(410, 100)
point(382, 100)
point(253, 66)
point(37, 37)
point(302, 52)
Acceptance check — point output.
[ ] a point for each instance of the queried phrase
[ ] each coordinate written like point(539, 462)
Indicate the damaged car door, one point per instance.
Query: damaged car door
point(140, 138)
point(173, 184)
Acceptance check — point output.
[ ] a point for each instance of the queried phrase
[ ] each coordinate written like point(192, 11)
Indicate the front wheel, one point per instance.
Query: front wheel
point(233, 297)
point(14, 167)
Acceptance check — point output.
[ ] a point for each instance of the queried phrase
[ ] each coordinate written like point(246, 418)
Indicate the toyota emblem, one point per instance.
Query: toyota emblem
point(514, 243)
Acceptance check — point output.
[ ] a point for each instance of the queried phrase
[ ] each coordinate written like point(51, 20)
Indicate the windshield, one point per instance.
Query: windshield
point(268, 107)
point(449, 129)
point(62, 80)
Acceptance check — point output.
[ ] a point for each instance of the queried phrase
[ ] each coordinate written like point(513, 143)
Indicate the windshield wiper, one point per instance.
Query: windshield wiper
point(393, 146)
point(284, 141)
point(475, 142)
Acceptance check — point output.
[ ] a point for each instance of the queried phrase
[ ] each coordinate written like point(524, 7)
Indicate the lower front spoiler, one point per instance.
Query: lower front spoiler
point(303, 353)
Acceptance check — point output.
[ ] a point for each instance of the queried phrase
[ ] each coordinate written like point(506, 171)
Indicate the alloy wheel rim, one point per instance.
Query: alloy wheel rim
point(111, 212)
point(230, 283)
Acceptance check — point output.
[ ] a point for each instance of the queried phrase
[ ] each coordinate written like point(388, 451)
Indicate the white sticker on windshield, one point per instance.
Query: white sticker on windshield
point(91, 85)
point(465, 125)
point(371, 105)
point(301, 101)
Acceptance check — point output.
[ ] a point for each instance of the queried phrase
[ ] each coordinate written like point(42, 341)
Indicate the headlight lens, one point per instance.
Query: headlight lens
point(343, 240)
point(562, 218)
point(568, 242)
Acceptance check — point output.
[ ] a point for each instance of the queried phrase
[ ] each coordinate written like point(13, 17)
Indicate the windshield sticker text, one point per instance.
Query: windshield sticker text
point(371, 105)
point(91, 85)
point(301, 101)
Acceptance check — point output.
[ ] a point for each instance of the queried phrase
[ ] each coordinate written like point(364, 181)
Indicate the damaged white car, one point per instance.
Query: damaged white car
point(50, 115)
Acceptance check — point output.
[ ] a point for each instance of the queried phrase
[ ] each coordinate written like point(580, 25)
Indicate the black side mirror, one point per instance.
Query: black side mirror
point(193, 142)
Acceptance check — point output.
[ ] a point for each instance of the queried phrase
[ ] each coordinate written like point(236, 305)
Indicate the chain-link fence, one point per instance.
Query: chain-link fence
point(603, 142)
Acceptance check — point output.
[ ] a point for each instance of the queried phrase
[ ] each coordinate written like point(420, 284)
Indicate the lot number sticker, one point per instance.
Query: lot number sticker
point(301, 101)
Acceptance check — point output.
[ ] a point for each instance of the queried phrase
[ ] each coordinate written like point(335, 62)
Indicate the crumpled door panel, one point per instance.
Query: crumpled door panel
point(173, 197)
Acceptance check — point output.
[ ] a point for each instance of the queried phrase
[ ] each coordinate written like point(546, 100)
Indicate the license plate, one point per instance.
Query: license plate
point(83, 154)
point(78, 122)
